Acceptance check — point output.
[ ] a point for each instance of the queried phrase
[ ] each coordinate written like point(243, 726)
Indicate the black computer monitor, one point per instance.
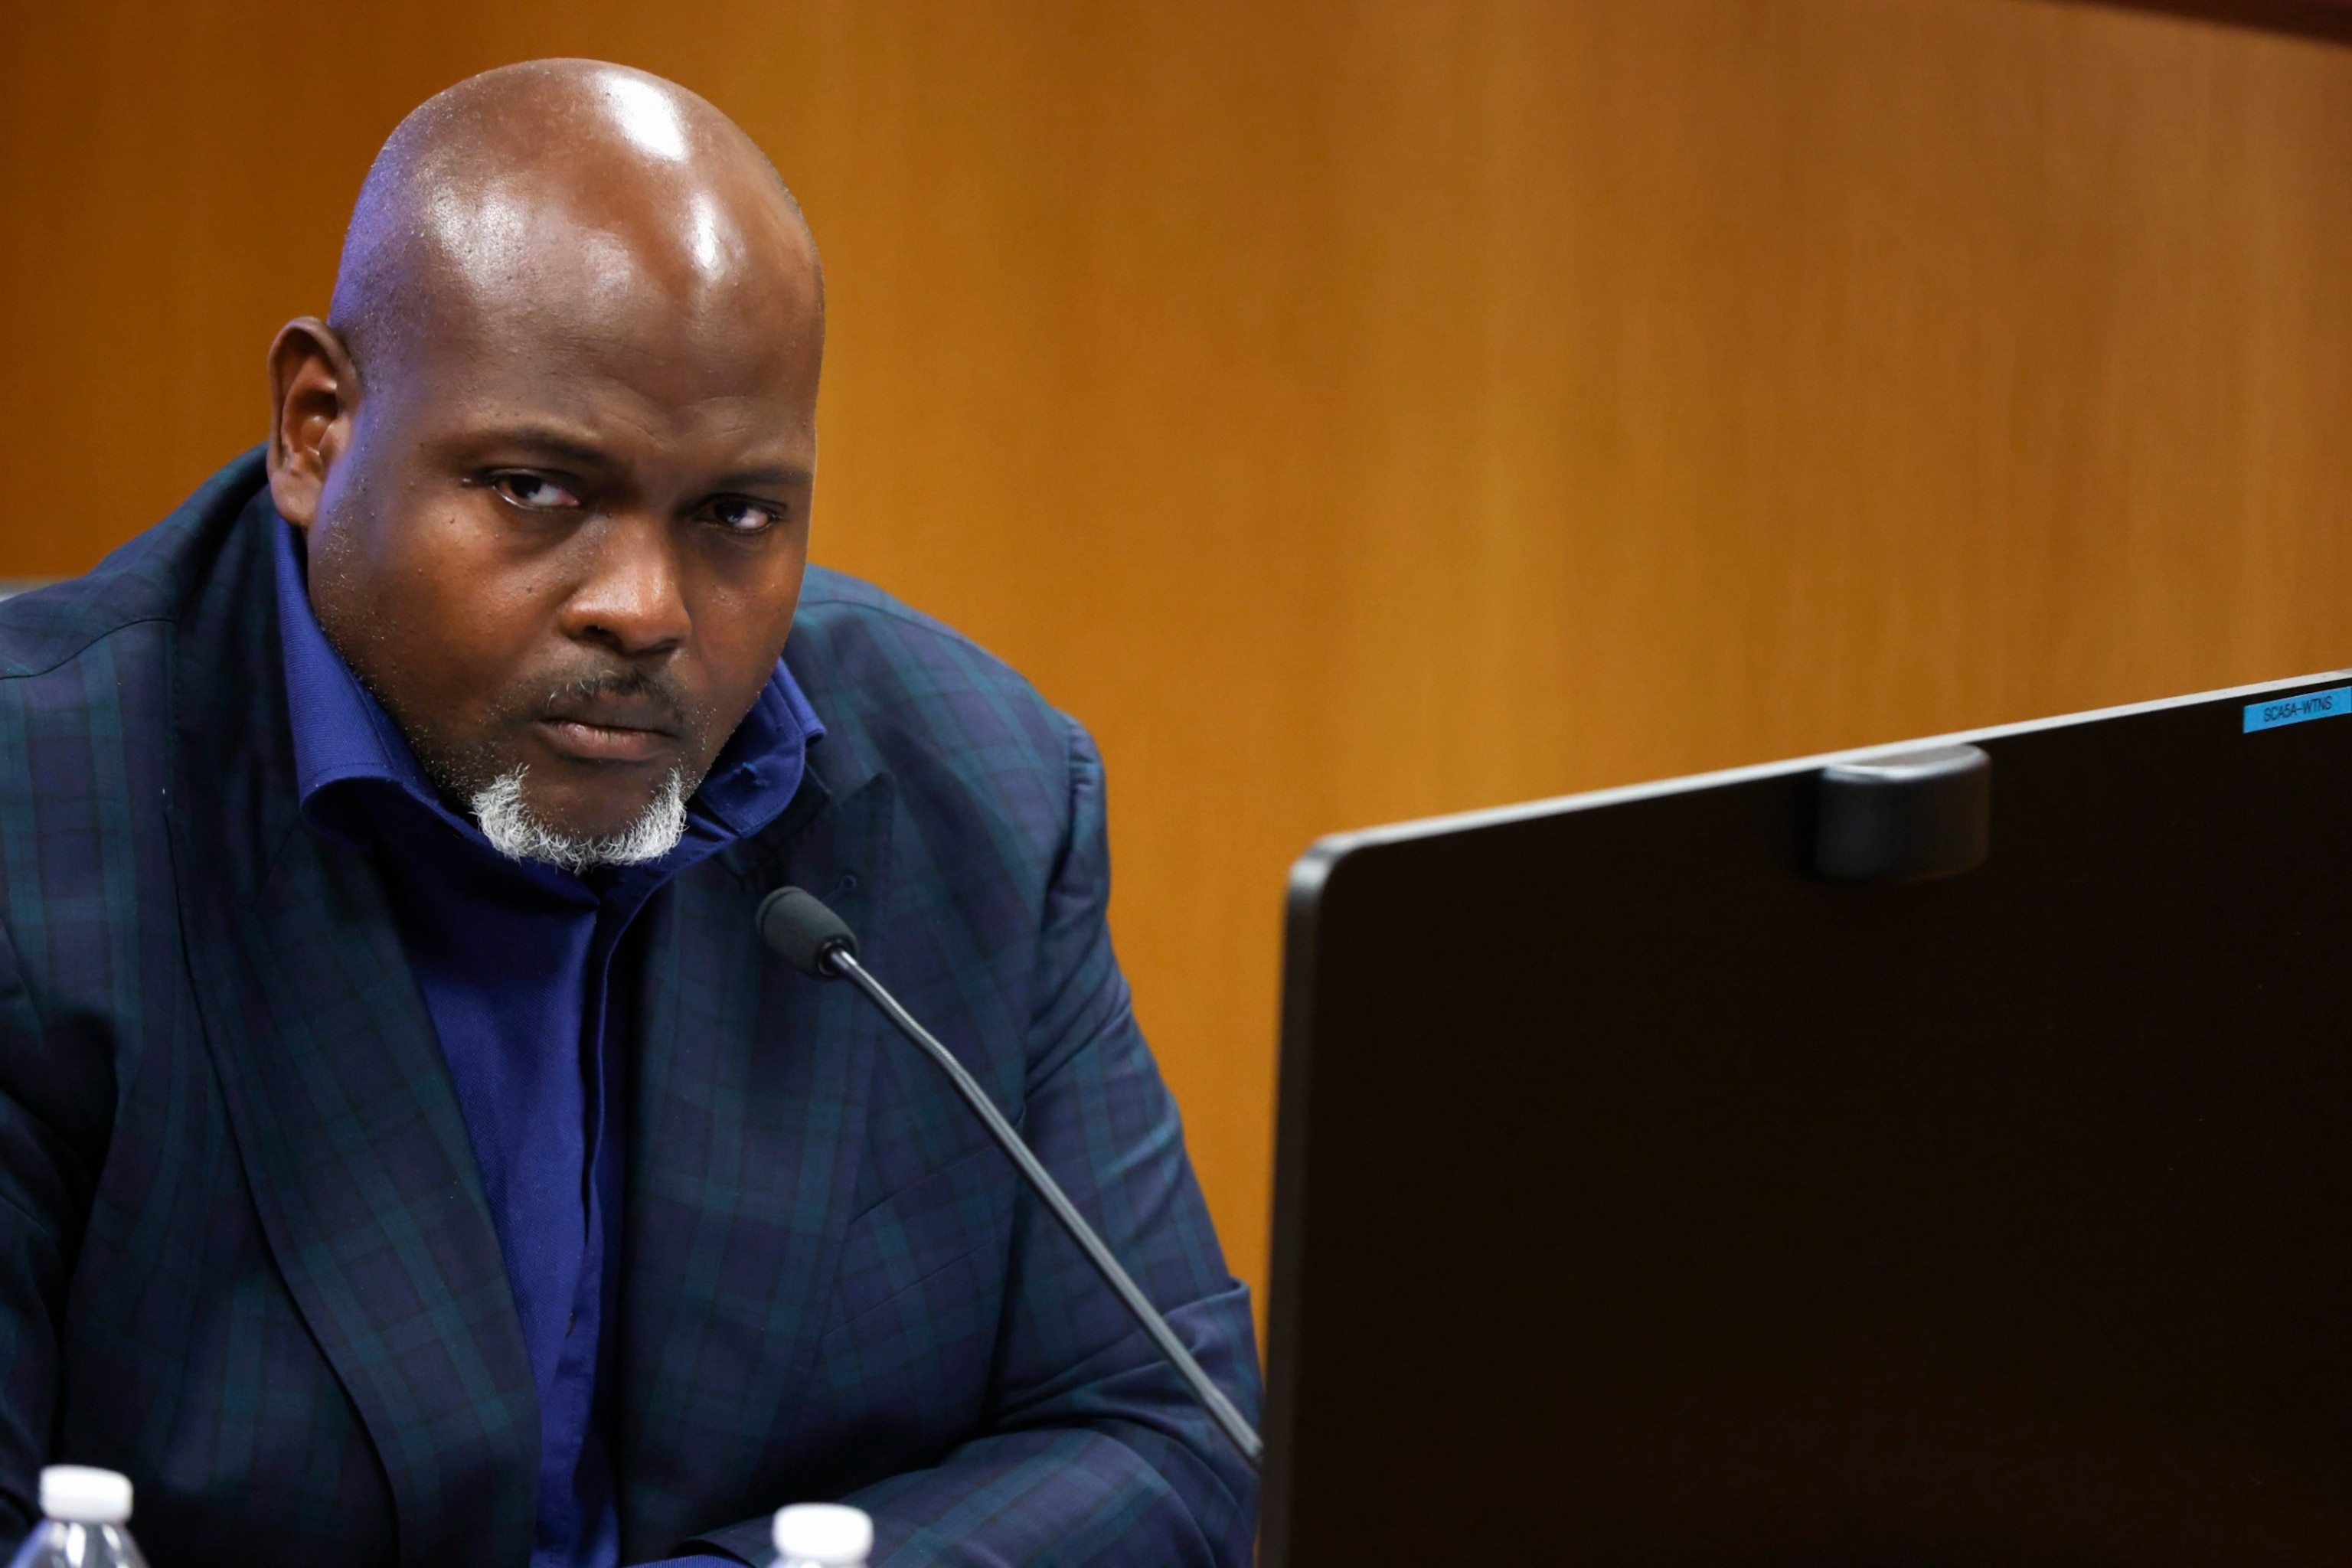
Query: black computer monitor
point(1645, 1195)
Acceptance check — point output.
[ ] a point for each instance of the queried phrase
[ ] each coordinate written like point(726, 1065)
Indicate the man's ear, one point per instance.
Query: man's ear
point(314, 394)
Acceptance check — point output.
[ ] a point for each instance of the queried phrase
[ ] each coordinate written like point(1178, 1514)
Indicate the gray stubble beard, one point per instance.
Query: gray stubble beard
point(518, 832)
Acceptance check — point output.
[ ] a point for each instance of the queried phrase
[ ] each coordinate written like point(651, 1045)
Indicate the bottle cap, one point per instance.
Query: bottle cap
point(828, 1533)
point(77, 1494)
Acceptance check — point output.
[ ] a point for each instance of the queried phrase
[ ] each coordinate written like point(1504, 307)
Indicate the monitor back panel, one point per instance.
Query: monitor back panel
point(1642, 1199)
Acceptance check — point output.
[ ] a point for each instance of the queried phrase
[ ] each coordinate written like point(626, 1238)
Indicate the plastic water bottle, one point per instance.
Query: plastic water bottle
point(84, 1512)
point(823, 1535)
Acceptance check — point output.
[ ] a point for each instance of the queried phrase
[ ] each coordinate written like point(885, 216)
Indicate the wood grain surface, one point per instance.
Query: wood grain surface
point(2311, 18)
point(1353, 411)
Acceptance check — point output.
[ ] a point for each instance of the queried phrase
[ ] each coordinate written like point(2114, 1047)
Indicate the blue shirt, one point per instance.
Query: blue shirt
point(515, 963)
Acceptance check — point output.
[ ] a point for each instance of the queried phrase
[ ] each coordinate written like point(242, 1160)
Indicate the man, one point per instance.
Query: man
point(407, 1151)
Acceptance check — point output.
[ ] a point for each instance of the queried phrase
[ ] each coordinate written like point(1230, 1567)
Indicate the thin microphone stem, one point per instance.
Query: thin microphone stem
point(1212, 1398)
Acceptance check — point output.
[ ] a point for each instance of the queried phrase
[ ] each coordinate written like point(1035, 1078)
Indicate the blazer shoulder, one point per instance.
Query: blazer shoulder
point(837, 608)
point(147, 580)
point(906, 694)
point(48, 629)
point(870, 661)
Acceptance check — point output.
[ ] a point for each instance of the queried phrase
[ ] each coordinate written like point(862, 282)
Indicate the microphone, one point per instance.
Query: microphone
point(815, 940)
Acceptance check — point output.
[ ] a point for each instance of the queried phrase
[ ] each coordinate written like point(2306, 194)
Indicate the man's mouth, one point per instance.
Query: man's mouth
point(610, 731)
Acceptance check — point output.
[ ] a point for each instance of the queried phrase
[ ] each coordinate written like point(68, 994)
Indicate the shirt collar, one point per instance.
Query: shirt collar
point(343, 736)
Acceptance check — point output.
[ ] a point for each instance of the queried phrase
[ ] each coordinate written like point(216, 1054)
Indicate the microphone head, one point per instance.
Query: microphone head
point(799, 928)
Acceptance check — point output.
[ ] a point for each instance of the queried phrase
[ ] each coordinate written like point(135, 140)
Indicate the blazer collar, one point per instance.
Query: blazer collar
point(747, 1136)
point(341, 1108)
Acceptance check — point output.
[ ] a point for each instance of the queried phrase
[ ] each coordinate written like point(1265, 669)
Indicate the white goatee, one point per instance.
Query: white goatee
point(515, 832)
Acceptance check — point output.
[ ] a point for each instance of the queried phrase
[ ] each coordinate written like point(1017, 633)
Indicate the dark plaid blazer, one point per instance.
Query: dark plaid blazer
point(244, 1251)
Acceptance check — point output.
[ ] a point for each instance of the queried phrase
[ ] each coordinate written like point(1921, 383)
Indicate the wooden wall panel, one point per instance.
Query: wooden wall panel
point(1353, 411)
point(2310, 18)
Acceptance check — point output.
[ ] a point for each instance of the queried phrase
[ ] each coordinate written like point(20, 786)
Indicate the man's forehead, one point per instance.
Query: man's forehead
point(644, 365)
point(530, 242)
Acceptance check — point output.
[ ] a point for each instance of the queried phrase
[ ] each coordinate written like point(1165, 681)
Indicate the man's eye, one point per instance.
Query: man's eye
point(738, 516)
point(535, 491)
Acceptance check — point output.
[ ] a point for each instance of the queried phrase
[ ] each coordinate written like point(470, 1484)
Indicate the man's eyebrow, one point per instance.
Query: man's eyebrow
point(549, 441)
point(581, 452)
point(763, 476)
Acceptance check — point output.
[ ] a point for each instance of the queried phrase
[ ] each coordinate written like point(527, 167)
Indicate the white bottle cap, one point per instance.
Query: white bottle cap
point(77, 1494)
point(829, 1533)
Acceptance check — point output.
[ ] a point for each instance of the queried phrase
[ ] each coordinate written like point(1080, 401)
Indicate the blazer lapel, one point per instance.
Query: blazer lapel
point(342, 1108)
point(747, 1138)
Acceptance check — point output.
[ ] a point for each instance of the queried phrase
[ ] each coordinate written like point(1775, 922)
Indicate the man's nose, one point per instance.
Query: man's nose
point(633, 598)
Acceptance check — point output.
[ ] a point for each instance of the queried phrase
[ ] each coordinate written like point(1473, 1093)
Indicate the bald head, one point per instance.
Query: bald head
point(563, 178)
point(552, 454)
